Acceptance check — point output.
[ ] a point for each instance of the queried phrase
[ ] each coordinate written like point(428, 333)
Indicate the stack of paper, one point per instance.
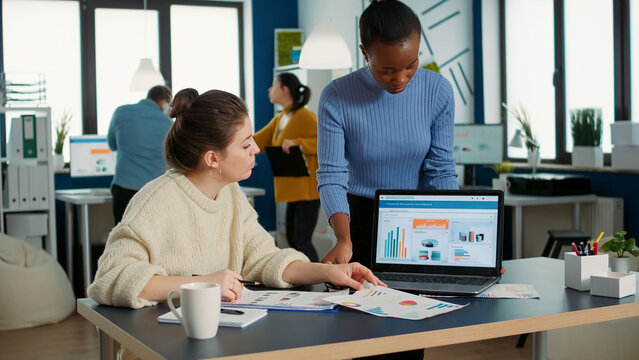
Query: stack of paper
point(285, 300)
point(385, 302)
point(241, 318)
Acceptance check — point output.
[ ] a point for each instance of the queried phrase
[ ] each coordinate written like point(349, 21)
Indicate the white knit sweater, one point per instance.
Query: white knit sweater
point(171, 228)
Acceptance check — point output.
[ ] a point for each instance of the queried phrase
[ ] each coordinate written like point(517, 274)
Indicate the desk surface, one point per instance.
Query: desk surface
point(349, 333)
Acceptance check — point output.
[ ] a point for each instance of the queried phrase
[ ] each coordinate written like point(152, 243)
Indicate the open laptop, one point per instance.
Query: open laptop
point(438, 241)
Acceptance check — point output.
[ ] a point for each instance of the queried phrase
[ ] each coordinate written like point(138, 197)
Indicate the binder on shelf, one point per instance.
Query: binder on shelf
point(38, 187)
point(11, 194)
point(29, 140)
point(23, 186)
point(15, 141)
point(41, 139)
point(292, 164)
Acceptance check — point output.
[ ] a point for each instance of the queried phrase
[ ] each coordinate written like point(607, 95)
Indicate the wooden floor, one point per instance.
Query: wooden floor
point(76, 338)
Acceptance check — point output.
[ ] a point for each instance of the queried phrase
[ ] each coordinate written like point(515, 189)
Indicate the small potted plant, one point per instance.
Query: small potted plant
point(619, 246)
point(520, 114)
point(586, 136)
point(61, 132)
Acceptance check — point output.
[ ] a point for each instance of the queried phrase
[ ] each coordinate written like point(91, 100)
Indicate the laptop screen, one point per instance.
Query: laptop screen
point(452, 229)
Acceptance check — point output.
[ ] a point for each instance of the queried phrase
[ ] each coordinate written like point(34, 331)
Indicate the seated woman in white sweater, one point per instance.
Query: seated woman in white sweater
point(194, 219)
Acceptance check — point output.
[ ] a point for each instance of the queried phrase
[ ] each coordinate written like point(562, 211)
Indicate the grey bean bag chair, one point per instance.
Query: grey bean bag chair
point(34, 289)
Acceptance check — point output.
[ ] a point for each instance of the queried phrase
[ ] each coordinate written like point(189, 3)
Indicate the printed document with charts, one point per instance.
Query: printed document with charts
point(382, 301)
point(284, 300)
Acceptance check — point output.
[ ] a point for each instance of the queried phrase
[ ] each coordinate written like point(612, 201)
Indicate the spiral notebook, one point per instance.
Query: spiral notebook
point(235, 318)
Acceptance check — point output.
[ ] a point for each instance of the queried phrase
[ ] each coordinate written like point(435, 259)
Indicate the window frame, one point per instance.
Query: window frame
point(622, 81)
point(87, 43)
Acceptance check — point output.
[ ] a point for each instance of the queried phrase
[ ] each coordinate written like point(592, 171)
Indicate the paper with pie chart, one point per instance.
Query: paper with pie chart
point(385, 302)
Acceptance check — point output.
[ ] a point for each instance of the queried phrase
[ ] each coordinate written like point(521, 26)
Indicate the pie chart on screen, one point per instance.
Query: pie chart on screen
point(407, 302)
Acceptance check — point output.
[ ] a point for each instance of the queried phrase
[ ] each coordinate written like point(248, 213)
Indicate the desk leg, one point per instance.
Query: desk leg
point(86, 244)
point(540, 342)
point(106, 346)
point(518, 246)
point(69, 213)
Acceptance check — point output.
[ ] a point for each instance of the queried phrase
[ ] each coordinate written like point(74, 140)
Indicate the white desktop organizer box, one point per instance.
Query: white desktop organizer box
point(579, 269)
point(613, 284)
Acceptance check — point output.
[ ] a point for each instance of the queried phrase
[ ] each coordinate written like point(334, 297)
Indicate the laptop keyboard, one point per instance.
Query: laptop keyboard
point(433, 279)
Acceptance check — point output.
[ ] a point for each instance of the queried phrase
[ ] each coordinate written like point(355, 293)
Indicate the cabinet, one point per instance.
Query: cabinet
point(27, 206)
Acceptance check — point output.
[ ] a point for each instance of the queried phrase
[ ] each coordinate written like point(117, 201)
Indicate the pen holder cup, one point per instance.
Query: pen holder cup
point(578, 269)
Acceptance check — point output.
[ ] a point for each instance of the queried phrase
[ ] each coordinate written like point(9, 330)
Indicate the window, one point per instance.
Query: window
point(117, 60)
point(562, 55)
point(589, 62)
point(530, 65)
point(32, 32)
point(205, 48)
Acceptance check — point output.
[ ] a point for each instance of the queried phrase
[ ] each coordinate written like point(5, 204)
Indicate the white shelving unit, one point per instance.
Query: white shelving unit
point(47, 196)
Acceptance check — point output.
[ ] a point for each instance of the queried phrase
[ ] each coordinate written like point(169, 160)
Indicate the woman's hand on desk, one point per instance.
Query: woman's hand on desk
point(341, 253)
point(351, 275)
point(229, 281)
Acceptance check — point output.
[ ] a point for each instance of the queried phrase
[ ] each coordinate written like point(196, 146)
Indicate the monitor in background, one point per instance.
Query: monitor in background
point(91, 156)
point(478, 144)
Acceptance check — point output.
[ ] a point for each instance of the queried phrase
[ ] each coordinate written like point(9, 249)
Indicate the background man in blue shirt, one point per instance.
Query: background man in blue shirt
point(137, 133)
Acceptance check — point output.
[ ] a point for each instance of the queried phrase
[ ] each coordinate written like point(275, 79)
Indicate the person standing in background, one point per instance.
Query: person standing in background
point(388, 125)
point(137, 133)
point(294, 126)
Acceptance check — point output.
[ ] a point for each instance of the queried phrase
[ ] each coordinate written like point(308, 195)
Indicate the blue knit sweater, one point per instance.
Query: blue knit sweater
point(370, 139)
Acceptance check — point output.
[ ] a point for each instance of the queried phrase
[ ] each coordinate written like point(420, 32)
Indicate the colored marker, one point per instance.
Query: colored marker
point(596, 248)
point(574, 246)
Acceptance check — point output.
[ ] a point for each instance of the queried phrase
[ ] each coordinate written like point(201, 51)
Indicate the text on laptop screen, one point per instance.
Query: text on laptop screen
point(450, 230)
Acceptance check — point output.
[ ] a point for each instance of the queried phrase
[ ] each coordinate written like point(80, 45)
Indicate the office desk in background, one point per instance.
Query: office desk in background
point(518, 202)
point(349, 333)
point(85, 197)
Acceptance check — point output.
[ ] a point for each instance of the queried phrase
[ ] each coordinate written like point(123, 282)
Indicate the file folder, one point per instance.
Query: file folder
point(38, 187)
point(41, 139)
point(292, 164)
point(11, 196)
point(29, 140)
point(15, 141)
point(23, 186)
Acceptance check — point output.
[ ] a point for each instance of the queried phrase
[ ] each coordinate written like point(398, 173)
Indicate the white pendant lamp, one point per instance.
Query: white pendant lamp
point(325, 49)
point(146, 76)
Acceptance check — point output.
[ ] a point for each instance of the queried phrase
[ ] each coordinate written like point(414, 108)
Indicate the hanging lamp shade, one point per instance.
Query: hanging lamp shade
point(325, 49)
point(146, 76)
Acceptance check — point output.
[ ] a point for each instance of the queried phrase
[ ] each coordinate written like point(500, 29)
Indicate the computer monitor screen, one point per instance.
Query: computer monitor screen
point(91, 156)
point(477, 144)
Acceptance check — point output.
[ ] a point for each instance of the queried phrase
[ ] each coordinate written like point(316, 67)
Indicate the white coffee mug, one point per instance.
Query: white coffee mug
point(200, 307)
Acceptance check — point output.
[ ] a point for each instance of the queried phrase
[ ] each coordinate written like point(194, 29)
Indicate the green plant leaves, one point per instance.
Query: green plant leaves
point(586, 126)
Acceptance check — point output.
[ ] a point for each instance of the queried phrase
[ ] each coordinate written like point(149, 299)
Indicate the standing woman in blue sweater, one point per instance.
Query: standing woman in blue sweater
point(388, 125)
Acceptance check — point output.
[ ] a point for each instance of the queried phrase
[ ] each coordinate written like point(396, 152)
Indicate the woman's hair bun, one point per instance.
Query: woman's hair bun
point(183, 101)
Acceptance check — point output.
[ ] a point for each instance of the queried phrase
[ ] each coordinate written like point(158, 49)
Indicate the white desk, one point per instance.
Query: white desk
point(519, 201)
point(85, 197)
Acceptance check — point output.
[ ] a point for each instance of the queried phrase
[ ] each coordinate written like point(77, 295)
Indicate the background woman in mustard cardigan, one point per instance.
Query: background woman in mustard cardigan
point(294, 126)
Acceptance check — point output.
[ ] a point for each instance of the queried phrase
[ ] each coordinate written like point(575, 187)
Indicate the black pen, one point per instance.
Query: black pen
point(231, 311)
point(245, 282)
